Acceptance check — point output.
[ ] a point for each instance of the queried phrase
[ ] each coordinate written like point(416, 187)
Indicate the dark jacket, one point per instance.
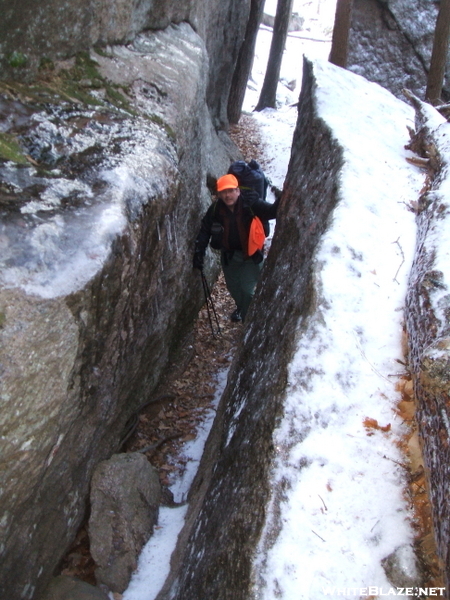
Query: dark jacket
point(234, 225)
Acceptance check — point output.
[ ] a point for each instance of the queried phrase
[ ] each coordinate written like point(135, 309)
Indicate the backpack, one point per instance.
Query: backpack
point(250, 176)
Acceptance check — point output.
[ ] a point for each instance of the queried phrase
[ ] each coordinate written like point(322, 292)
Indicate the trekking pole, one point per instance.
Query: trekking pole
point(210, 307)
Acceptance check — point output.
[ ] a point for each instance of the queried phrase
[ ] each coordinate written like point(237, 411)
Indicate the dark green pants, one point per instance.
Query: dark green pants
point(241, 277)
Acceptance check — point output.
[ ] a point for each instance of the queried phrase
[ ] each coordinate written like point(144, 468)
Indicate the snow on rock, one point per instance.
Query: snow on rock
point(302, 500)
point(63, 236)
point(343, 510)
point(428, 317)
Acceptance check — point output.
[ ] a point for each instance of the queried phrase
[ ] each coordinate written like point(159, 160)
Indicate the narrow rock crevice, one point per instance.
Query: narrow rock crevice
point(170, 417)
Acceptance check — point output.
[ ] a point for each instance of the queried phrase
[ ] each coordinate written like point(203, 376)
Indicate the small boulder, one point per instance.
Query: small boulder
point(125, 499)
point(401, 567)
point(64, 587)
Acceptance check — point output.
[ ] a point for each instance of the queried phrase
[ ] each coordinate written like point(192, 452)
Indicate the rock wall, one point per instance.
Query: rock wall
point(216, 547)
point(54, 30)
point(428, 321)
point(32, 36)
point(391, 43)
point(104, 162)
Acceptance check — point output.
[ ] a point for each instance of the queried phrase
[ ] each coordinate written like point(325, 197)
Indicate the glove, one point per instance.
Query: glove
point(198, 261)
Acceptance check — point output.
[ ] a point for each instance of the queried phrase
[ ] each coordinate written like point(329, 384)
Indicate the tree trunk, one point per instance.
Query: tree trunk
point(245, 62)
point(267, 98)
point(339, 43)
point(439, 55)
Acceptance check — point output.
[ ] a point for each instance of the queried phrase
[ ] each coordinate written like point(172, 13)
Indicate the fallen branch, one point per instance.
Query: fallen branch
point(368, 361)
point(403, 259)
point(444, 109)
point(321, 538)
point(423, 163)
point(324, 505)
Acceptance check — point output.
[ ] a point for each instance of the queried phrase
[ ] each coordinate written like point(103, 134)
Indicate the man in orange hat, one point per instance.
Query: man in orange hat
point(228, 226)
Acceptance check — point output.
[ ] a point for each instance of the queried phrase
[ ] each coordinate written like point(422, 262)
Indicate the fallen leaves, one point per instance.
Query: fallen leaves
point(406, 410)
point(372, 424)
point(417, 491)
point(187, 394)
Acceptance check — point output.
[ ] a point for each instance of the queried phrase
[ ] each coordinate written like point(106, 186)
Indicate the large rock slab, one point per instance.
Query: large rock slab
point(34, 37)
point(391, 43)
point(99, 208)
point(428, 320)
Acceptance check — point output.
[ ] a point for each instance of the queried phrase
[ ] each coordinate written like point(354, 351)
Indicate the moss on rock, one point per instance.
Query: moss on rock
point(11, 150)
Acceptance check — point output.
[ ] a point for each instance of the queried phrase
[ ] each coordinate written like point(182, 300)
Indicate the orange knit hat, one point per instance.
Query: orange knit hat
point(227, 182)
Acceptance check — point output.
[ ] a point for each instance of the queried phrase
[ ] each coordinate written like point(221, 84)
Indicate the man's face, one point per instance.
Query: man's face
point(229, 196)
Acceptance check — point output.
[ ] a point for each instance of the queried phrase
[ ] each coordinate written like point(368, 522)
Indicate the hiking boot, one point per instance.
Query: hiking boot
point(236, 316)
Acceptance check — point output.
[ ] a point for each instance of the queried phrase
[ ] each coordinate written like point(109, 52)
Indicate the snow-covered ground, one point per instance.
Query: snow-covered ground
point(346, 509)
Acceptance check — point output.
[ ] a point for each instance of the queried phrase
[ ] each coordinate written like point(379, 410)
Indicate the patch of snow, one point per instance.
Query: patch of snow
point(154, 562)
point(60, 244)
point(192, 451)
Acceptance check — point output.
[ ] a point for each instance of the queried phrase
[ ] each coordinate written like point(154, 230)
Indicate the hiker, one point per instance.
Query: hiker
point(226, 226)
